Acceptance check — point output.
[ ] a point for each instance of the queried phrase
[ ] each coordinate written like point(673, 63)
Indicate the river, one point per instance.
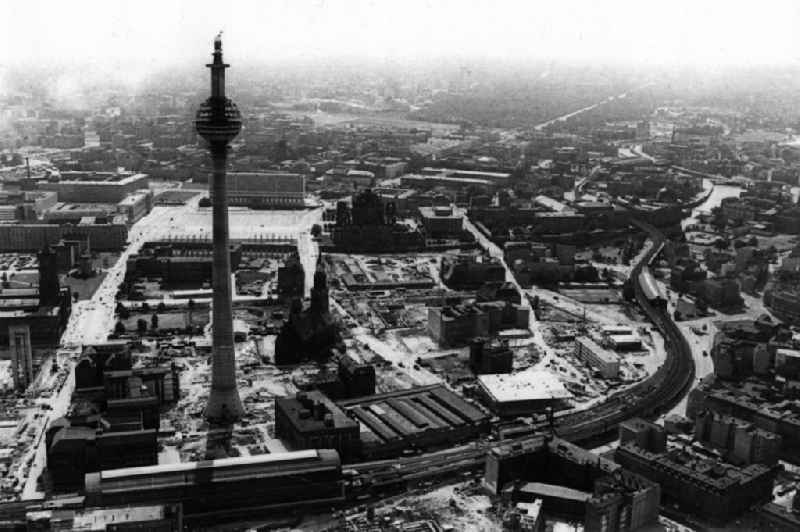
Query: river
point(719, 193)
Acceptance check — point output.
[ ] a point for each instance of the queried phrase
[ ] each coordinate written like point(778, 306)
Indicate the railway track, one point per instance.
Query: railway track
point(657, 394)
point(650, 398)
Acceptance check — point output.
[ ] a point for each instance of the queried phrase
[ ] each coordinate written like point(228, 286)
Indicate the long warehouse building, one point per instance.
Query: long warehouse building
point(227, 487)
point(418, 418)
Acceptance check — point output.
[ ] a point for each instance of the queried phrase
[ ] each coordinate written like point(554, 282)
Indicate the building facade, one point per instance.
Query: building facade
point(266, 190)
point(310, 420)
point(95, 187)
point(605, 361)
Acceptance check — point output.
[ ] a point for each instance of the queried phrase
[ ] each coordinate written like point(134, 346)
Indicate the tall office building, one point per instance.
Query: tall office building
point(218, 121)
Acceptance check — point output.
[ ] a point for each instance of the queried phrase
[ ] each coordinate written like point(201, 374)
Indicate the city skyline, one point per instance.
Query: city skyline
point(441, 266)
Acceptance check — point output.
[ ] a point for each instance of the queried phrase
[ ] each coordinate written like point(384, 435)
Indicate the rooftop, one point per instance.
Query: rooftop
point(550, 203)
point(446, 178)
point(312, 411)
point(529, 385)
point(600, 352)
point(439, 212)
point(64, 207)
point(209, 464)
point(100, 178)
point(465, 173)
point(131, 199)
point(101, 518)
point(624, 338)
point(98, 519)
point(554, 490)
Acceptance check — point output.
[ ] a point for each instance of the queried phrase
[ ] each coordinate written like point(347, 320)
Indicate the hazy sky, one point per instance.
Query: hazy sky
point(155, 33)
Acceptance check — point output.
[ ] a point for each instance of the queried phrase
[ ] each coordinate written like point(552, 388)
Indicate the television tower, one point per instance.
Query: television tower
point(218, 121)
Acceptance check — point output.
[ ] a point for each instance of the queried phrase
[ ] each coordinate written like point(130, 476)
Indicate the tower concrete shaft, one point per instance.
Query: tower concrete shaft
point(218, 121)
point(224, 404)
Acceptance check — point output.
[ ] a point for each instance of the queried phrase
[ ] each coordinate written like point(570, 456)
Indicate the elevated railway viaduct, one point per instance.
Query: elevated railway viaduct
point(596, 425)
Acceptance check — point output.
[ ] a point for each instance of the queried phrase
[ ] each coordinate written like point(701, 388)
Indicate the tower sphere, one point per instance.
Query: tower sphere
point(218, 121)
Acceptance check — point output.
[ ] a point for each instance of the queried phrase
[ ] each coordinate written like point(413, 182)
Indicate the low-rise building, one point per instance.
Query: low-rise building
point(784, 301)
point(95, 187)
point(135, 206)
point(111, 236)
point(500, 178)
point(441, 222)
point(310, 420)
point(606, 362)
point(710, 489)
point(458, 324)
point(358, 378)
point(743, 442)
point(466, 271)
point(721, 293)
point(571, 481)
point(646, 435)
point(776, 416)
point(74, 451)
point(521, 393)
point(266, 190)
point(490, 357)
point(55, 516)
point(445, 181)
point(417, 418)
point(625, 342)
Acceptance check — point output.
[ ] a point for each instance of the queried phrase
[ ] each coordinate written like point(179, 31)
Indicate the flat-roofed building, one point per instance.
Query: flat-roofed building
point(616, 329)
point(266, 190)
point(63, 213)
point(466, 271)
point(357, 377)
point(95, 187)
point(744, 442)
point(441, 222)
point(135, 206)
point(550, 204)
point(521, 393)
point(25, 204)
point(33, 318)
point(558, 222)
point(625, 342)
point(787, 362)
point(498, 178)
point(8, 213)
point(74, 451)
point(150, 518)
point(228, 488)
point(402, 199)
point(458, 183)
point(109, 236)
point(712, 489)
point(456, 325)
point(606, 362)
point(349, 176)
point(572, 482)
point(310, 420)
point(531, 516)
